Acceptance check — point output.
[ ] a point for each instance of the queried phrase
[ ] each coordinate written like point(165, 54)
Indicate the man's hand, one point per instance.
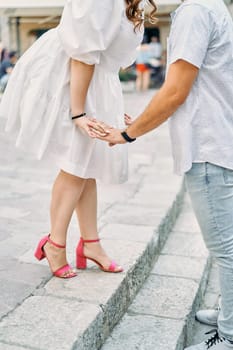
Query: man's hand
point(114, 137)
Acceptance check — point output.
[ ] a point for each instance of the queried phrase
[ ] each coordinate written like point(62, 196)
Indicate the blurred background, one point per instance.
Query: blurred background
point(23, 21)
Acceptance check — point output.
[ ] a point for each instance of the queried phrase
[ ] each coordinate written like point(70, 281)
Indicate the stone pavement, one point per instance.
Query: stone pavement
point(38, 312)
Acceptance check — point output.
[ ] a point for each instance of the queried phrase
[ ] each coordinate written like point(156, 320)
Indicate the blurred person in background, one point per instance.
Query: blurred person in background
point(155, 48)
point(143, 66)
point(156, 64)
point(6, 69)
point(3, 52)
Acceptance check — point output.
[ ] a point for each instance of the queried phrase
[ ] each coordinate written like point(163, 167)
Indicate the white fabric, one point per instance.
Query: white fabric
point(202, 128)
point(36, 102)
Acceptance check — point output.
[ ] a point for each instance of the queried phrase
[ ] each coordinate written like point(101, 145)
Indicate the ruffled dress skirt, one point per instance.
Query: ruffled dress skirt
point(36, 104)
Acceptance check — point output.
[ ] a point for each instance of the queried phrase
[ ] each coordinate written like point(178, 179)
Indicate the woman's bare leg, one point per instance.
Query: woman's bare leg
point(66, 192)
point(86, 210)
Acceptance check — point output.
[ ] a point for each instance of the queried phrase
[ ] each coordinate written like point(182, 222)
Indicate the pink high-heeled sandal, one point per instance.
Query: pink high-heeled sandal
point(81, 259)
point(40, 254)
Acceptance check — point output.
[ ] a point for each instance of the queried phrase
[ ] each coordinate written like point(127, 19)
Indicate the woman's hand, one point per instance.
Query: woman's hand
point(128, 120)
point(82, 123)
point(92, 127)
point(112, 135)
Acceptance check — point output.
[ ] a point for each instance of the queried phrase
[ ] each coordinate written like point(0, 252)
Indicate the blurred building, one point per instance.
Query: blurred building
point(23, 21)
point(162, 28)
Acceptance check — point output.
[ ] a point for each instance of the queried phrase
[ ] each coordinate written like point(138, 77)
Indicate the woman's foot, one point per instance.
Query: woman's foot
point(92, 250)
point(96, 252)
point(56, 256)
point(57, 259)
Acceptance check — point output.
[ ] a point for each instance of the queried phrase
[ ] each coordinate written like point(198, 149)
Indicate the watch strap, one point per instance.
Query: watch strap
point(127, 137)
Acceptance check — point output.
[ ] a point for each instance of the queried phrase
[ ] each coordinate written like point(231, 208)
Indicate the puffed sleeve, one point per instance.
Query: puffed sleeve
point(88, 27)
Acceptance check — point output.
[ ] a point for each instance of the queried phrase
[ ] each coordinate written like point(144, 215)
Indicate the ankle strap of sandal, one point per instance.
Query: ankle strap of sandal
point(55, 244)
point(90, 240)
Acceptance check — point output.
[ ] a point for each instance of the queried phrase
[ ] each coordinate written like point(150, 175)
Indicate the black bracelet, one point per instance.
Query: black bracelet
point(127, 137)
point(79, 116)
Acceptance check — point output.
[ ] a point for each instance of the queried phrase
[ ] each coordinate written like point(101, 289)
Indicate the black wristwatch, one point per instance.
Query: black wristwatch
point(127, 137)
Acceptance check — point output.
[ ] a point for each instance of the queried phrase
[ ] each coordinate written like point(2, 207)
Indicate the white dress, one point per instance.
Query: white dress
point(36, 102)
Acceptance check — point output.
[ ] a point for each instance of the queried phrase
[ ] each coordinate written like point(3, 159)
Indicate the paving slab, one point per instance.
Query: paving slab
point(184, 244)
point(4, 346)
point(169, 265)
point(187, 222)
point(79, 288)
point(165, 297)
point(5, 309)
point(12, 292)
point(37, 323)
point(132, 232)
point(137, 215)
point(21, 272)
point(144, 333)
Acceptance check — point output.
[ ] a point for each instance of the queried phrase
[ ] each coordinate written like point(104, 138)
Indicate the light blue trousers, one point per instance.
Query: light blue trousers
point(211, 191)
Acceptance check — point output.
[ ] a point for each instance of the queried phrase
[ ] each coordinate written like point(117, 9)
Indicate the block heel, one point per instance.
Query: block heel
point(64, 271)
point(81, 259)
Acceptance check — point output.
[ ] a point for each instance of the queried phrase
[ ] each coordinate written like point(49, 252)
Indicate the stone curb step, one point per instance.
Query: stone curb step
point(162, 314)
point(79, 314)
point(118, 303)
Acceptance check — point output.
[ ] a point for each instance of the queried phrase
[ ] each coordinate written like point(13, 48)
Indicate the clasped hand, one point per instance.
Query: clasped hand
point(102, 131)
point(92, 127)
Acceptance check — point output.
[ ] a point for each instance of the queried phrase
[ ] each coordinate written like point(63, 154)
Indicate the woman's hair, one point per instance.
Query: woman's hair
point(135, 13)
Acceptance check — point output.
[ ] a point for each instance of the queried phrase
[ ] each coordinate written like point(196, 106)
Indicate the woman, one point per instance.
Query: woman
point(67, 76)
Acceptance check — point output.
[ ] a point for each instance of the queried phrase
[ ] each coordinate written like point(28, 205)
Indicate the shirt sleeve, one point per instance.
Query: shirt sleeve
point(191, 34)
point(88, 27)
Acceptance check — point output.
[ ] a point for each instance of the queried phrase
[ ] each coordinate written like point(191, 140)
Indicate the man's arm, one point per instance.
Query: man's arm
point(180, 78)
point(171, 96)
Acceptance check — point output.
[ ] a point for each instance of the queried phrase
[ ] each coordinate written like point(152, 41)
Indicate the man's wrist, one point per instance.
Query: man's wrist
point(126, 136)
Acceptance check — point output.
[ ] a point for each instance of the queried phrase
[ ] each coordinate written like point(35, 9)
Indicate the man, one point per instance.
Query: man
point(198, 94)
